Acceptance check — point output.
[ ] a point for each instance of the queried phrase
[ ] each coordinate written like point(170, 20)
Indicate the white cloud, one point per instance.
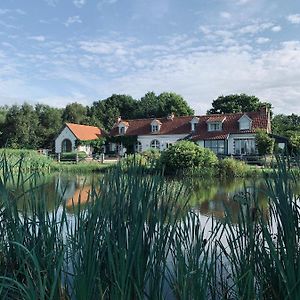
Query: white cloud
point(73, 20)
point(79, 3)
point(276, 28)
point(225, 15)
point(262, 40)
point(38, 38)
point(294, 19)
point(255, 28)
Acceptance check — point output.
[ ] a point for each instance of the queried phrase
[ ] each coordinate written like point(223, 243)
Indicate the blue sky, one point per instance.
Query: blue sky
point(61, 51)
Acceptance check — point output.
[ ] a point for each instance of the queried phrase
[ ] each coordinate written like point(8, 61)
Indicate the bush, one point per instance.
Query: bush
point(230, 167)
point(186, 156)
point(72, 155)
point(264, 143)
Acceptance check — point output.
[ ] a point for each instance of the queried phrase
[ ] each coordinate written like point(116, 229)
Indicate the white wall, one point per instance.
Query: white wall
point(88, 149)
point(237, 136)
point(65, 134)
point(163, 139)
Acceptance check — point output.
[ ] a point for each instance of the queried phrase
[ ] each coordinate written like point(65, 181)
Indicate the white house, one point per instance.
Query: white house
point(71, 136)
point(226, 134)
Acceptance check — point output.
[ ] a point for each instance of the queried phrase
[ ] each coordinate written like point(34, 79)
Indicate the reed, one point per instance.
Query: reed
point(137, 238)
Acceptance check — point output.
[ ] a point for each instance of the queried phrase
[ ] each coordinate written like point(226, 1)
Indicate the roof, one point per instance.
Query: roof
point(182, 125)
point(230, 125)
point(85, 132)
point(216, 118)
point(177, 125)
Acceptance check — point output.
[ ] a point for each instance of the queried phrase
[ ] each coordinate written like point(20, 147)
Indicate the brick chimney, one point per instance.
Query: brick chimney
point(266, 112)
point(171, 116)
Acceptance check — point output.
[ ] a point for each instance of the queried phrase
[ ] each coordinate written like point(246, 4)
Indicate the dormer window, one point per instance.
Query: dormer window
point(123, 126)
point(122, 130)
point(155, 126)
point(215, 123)
point(215, 126)
point(245, 122)
point(194, 123)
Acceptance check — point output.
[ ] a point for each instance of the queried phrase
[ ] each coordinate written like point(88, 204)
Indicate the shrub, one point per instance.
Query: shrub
point(230, 167)
point(265, 144)
point(187, 156)
point(72, 155)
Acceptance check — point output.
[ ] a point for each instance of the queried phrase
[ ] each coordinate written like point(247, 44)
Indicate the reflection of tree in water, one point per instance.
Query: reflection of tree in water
point(212, 198)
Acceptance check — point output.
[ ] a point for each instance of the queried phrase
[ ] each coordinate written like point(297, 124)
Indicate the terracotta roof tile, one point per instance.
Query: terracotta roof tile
point(85, 132)
point(230, 125)
point(179, 125)
point(216, 118)
point(182, 125)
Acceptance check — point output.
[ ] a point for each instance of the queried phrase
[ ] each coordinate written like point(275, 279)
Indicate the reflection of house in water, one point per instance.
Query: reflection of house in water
point(73, 189)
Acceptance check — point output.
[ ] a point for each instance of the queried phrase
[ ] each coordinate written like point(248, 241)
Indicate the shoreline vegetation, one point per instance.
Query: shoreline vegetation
point(136, 238)
point(175, 163)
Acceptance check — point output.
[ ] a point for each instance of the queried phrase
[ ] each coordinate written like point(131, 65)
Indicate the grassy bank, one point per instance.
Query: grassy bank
point(136, 239)
point(31, 161)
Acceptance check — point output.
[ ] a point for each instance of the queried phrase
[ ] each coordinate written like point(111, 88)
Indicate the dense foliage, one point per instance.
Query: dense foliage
point(28, 126)
point(236, 103)
point(264, 143)
point(186, 155)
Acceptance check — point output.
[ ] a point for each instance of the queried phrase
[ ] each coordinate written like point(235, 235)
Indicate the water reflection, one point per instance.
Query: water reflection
point(212, 198)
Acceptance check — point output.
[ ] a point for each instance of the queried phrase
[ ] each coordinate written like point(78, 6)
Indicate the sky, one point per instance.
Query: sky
point(61, 51)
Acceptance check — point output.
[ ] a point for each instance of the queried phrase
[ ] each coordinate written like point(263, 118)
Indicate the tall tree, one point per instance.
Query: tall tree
point(106, 111)
point(50, 122)
point(75, 113)
point(152, 105)
point(20, 128)
point(236, 103)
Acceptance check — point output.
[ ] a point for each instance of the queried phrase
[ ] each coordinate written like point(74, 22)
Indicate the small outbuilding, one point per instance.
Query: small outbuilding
point(75, 137)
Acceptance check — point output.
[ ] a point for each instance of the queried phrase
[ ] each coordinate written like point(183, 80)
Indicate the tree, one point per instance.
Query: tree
point(75, 113)
point(105, 112)
point(20, 127)
point(162, 105)
point(281, 124)
point(236, 103)
point(264, 143)
point(50, 122)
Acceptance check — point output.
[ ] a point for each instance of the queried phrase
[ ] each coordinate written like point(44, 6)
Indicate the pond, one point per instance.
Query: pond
point(209, 197)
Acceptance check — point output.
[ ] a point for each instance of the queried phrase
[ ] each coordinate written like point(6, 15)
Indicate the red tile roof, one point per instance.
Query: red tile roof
point(230, 125)
point(182, 125)
point(85, 132)
point(179, 125)
point(216, 118)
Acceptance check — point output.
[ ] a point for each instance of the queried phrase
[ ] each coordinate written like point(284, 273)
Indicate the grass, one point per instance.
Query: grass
point(136, 238)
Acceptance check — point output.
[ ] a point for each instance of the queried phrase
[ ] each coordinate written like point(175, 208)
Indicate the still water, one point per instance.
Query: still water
point(208, 197)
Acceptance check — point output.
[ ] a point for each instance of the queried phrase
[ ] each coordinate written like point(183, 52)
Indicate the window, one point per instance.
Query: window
point(155, 128)
point(214, 126)
point(138, 147)
point(168, 145)
point(155, 144)
point(244, 146)
point(66, 145)
point(121, 130)
point(193, 126)
point(217, 146)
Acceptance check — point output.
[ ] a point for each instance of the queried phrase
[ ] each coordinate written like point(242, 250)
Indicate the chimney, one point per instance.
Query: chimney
point(171, 116)
point(264, 110)
point(119, 119)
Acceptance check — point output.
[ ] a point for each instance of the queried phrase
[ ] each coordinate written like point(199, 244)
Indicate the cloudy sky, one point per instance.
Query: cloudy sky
point(59, 51)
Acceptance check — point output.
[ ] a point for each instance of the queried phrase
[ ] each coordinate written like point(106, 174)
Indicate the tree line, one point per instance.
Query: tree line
point(36, 126)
